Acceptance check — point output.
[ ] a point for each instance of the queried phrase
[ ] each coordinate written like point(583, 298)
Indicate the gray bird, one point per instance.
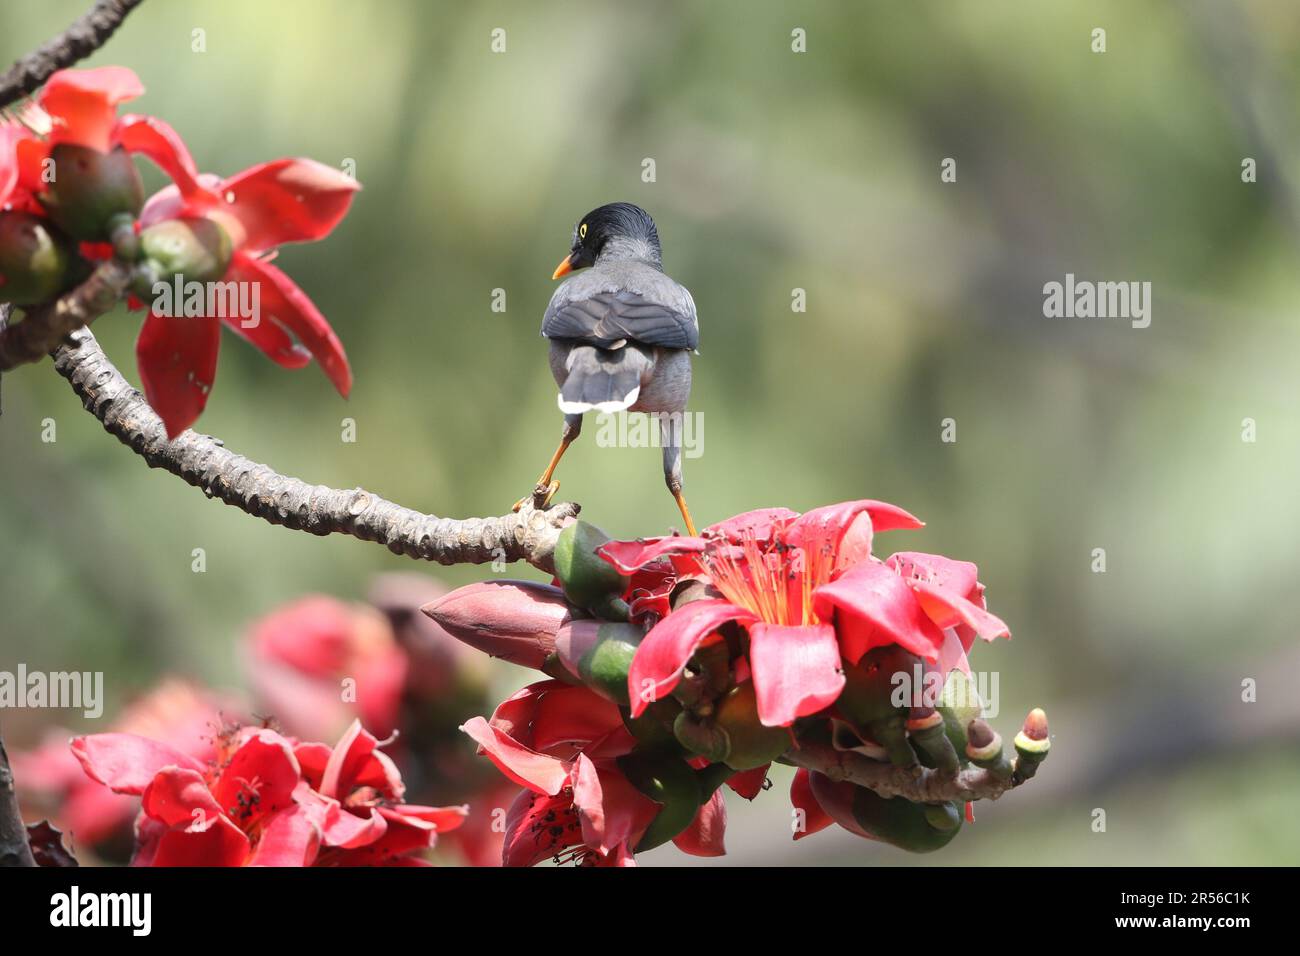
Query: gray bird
point(621, 335)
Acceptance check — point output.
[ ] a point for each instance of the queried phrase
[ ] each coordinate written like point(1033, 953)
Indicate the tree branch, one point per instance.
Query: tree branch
point(528, 535)
point(14, 849)
point(918, 784)
point(86, 35)
point(43, 328)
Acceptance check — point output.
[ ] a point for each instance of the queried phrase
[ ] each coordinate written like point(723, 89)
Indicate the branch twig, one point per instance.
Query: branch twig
point(919, 784)
point(43, 328)
point(528, 535)
point(14, 850)
point(86, 35)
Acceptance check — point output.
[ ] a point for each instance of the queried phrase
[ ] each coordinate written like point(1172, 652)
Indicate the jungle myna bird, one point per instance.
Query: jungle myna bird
point(621, 335)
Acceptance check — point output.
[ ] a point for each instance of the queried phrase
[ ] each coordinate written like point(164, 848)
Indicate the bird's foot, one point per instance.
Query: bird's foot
point(540, 498)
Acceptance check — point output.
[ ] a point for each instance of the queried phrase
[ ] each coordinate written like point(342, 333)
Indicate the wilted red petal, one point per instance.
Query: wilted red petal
point(83, 104)
point(706, 834)
point(613, 812)
point(287, 200)
point(539, 826)
point(814, 817)
point(657, 666)
point(796, 670)
point(285, 303)
point(127, 763)
point(524, 766)
point(749, 783)
point(836, 800)
point(873, 607)
point(630, 556)
point(177, 359)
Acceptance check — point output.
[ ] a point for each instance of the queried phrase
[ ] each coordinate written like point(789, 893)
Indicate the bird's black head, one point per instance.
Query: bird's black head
point(618, 230)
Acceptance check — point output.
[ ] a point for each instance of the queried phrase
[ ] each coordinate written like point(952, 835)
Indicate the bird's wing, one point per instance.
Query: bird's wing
point(605, 318)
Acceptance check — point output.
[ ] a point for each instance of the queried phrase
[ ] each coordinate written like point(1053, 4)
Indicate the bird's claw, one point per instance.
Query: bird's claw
point(540, 498)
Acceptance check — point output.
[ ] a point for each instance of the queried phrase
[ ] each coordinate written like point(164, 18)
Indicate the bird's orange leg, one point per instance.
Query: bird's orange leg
point(546, 488)
point(686, 512)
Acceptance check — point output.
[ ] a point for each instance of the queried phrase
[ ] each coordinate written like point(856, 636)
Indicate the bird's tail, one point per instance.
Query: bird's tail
point(603, 380)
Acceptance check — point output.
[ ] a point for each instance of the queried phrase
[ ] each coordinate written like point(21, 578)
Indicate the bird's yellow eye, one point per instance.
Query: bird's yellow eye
point(582, 231)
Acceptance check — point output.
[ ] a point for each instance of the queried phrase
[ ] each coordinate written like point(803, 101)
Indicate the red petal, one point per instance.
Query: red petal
point(289, 306)
point(873, 607)
point(613, 812)
point(262, 768)
point(657, 666)
point(762, 524)
point(180, 797)
point(291, 838)
point(749, 783)
point(83, 103)
point(9, 138)
point(346, 760)
point(441, 819)
point(220, 844)
point(127, 763)
point(796, 670)
point(177, 359)
point(835, 522)
point(287, 200)
point(947, 609)
point(630, 556)
point(526, 767)
point(555, 718)
point(814, 817)
point(836, 801)
point(150, 136)
point(705, 835)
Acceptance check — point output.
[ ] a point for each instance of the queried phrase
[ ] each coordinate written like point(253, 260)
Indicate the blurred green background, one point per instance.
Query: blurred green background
point(775, 170)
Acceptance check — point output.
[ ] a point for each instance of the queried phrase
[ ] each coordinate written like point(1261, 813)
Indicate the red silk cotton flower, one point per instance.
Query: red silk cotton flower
point(265, 206)
point(264, 800)
point(808, 593)
point(562, 744)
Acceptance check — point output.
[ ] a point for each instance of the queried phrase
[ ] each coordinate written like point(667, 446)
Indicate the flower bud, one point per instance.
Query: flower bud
point(90, 188)
point(599, 653)
point(750, 743)
point(589, 580)
point(34, 261)
point(915, 827)
point(669, 782)
point(513, 620)
point(929, 736)
point(1032, 744)
point(700, 735)
point(984, 748)
point(197, 250)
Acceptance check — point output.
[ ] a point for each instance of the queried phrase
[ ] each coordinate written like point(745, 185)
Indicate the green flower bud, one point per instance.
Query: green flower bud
point(670, 782)
point(589, 581)
point(35, 262)
point(915, 827)
point(654, 727)
point(90, 188)
point(599, 653)
point(196, 250)
point(700, 735)
point(750, 743)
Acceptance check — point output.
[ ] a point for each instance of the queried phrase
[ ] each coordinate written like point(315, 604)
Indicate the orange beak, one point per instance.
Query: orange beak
point(564, 268)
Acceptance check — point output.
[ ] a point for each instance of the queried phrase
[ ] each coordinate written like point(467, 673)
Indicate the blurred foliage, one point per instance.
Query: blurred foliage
point(775, 171)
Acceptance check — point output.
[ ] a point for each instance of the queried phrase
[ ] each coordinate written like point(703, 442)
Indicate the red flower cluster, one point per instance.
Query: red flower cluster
point(808, 592)
point(66, 176)
point(266, 800)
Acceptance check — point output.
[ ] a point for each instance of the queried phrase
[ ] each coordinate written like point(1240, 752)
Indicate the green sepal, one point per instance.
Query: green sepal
point(670, 782)
point(35, 259)
point(906, 825)
point(90, 188)
point(588, 579)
